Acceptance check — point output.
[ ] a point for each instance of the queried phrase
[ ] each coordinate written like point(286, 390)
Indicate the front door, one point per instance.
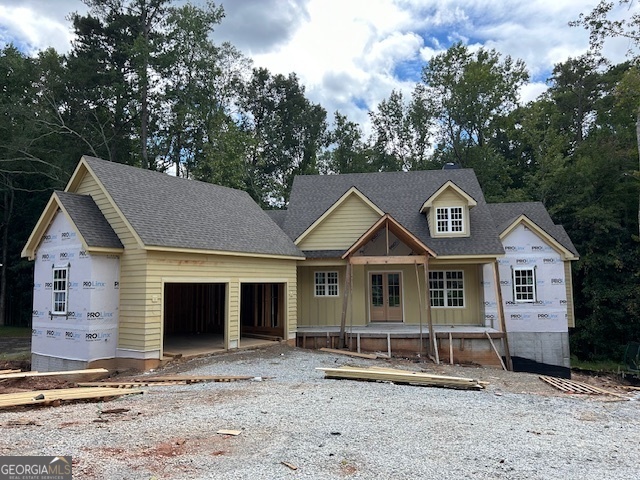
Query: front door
point(385, 302)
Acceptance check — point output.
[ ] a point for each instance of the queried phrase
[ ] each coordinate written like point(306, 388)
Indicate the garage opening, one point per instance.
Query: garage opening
point(262, 310)
point(194, 318)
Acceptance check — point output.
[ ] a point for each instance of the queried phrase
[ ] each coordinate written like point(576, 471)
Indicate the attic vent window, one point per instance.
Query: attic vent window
point(449, 220)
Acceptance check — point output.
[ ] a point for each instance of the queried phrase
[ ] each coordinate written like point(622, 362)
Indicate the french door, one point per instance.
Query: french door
point(385, 299)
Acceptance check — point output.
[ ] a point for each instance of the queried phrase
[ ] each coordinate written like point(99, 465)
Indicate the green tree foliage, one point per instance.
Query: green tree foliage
point(347, 151)
point(288, 133)
point(29, 167)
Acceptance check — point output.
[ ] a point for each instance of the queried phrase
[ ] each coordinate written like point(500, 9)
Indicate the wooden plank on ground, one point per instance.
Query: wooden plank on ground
point(402, 376)
point(370, 356)
point(4, 372)
point(53, 397)
point(71, 375)
point(167, 380)
point(571, 386)
point(229, 432)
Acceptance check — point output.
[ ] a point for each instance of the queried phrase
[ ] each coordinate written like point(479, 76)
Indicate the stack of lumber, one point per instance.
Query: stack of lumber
point(56, 396)
point(166, 380)
point(571, 386)
point(69, 375)
point(402, 376)
point(59, 395)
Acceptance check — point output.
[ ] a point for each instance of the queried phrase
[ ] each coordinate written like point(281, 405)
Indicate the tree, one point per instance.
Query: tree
point(469, 92)
point(347, 151)
point(402, 132)
point(605, 22)
point(288, 134)
point(200, 84)
point(29, 166)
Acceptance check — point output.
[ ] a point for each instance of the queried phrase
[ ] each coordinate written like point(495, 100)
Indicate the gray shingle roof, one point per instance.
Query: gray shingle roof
point(400, 194)
point(89, 221)
point(167, 211)
point(504, 214)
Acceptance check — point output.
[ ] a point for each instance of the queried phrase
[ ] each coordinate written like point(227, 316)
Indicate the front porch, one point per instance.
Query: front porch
point(456, 344)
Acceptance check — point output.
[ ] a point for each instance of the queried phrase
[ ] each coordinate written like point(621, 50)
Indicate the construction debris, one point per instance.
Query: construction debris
point(70, 375)
point(57, 396)
point(235, 433)
point(289, 465)
point(570, 386)
point(167, 380)
point(402, 376)
point(370, 356)
point(3, 372)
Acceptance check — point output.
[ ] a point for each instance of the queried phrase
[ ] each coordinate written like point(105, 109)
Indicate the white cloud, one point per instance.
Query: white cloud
point(347, 53)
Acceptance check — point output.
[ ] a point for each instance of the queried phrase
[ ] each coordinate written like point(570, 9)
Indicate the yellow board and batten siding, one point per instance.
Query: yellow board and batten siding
point(327, 311)
point(342, 227)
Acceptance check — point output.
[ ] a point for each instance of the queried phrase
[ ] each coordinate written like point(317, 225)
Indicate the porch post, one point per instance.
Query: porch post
point(420, 305)
point(503, 325)
point(433, 342)
point(345, 301)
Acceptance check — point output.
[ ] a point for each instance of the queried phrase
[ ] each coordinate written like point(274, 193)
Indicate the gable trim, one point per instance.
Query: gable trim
point(332, 208)
point(557, 246)
point(81, 170)
point(388, 219)
point(471, 202)
point(54, 205)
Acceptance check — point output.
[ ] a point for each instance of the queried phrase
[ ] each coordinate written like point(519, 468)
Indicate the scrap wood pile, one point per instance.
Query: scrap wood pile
point(402, 376)
point(92, 390)
point(571, 386)
point(56, 396)
point(144, 381)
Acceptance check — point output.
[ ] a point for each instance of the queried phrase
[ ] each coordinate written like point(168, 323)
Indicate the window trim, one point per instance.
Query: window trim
point(64, 291)
point(325, 284)
point(534, 290)
point(449, 220)
point(445, 290)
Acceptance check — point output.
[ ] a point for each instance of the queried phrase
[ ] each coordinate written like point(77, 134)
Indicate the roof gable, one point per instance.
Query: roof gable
point(351, 200)
point(93, 230)
point(546, 237)
point(170, 213)
point(400, 194)
point(507, 216)
point(448, 186)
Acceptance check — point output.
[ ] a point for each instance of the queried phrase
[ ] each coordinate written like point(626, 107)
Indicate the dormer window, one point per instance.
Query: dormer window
point(449, 220)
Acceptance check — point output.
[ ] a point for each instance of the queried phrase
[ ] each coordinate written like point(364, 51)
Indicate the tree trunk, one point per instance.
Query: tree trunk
point(638, 142)
point(8, 209)
point(144, 92)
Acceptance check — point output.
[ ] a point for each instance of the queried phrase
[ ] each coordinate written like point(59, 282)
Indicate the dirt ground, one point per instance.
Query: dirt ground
point(498, 380)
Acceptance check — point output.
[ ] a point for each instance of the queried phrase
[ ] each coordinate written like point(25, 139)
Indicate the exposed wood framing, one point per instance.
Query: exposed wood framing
point(503, 325)
point(388, 260)
point(433, 341)
point(345, 300)
point(504, 367)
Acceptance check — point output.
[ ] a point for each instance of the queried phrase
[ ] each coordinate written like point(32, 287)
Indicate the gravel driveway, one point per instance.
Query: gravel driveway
point(336, 428)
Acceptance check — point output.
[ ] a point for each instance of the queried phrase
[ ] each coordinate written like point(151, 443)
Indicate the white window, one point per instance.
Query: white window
point(446, 289)
point(60, 290)
point(524, 285)
point(449, 220)
point(326, 284)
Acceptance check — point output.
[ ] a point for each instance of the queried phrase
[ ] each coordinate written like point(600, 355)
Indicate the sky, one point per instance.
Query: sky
point(351, 54)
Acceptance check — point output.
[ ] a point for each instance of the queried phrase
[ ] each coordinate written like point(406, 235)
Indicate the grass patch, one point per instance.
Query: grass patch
point(15, 357)
point(15, 332)
point(596, 365)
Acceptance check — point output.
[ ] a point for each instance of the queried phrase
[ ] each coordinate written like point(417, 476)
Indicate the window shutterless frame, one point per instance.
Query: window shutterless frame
point(60, 290)
point(524, 285)
point(325, 284)
point(446, 288)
